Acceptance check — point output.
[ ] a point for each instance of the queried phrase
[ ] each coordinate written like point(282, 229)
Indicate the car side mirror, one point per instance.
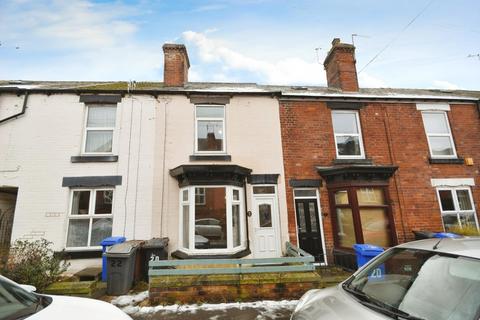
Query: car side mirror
point(28, 287)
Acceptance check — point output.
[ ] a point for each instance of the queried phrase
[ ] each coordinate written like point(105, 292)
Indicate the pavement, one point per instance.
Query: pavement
point(245, 313)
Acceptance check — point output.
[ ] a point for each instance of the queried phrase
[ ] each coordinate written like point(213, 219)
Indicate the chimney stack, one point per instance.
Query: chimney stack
point(175, 69)
point(340, 67)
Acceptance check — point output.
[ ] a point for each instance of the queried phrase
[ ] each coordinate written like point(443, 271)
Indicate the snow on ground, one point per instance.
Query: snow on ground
point(129, 304)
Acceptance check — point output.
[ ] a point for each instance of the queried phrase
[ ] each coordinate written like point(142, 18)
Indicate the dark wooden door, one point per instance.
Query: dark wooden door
point(308, 228)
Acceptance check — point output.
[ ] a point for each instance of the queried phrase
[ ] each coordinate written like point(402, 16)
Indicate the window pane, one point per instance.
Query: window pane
point(211, 220)
point(450, 221)
point(464, 200)
point(210, 135)
point(306, 193)
point(301, 217)
point(441, 146)
point(375, 227)
point(236, 225)
point(186, 227)
point(346, 229)
point(103, 202)
point(78, 233)
point(185, 195)
point(370, 196)
point(264, 190)
point(468, 220)
point(348, 146)
point(344, 122)
point(446, 200)
point(313, 217)
point(341, 197)
point(210, 112)
point(236, 195)
point(99, 141)
point(101, 229)
point(265, 215)
point(200, 196)
point(101, 116)
point(80, 202)
point(435, 123)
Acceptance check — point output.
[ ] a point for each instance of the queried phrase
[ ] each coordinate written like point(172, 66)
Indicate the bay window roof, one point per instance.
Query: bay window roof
point(191, 175)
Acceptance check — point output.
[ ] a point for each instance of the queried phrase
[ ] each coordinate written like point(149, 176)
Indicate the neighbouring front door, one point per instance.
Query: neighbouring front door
point(308, 227)
point(265, 222)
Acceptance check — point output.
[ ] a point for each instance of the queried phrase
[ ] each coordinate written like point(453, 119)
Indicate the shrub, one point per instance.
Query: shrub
point(34, 263)
point(465, 231)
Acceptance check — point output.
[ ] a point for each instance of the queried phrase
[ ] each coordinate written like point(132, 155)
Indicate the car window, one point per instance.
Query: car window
point(424, 284)
point(15, 302)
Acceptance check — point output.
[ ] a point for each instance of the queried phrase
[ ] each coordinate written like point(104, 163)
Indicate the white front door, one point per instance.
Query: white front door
point(265, 223)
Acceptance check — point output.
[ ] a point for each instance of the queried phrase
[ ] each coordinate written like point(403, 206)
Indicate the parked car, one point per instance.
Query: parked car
point(430, 279)
point(21, 302)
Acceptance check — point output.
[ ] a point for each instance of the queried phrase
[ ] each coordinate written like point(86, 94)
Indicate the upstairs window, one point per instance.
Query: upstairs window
point(210, 129)
point(348, 136)
point(439, 136)
point(99, 128)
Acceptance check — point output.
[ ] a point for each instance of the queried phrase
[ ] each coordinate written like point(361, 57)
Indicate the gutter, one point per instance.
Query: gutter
point(24, 108)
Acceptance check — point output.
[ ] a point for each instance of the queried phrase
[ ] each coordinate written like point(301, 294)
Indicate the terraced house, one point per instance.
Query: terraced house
point(235, 169)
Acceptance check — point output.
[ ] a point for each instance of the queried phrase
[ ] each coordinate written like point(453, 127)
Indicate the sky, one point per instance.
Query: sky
point(261, 41)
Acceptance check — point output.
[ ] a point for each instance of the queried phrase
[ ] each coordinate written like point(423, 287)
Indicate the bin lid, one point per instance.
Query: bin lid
point(124, 249)
point(110, 241)
point(367, 249)
point(446, 235)
point(156, 243)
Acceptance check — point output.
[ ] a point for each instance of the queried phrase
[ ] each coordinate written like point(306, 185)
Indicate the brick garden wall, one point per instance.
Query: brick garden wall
point(393, 134)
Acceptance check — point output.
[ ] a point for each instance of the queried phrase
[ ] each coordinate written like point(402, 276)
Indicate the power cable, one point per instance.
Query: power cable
point(397, 36)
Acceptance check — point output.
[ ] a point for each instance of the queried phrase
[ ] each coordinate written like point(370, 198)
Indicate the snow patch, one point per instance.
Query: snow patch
point(129, 300)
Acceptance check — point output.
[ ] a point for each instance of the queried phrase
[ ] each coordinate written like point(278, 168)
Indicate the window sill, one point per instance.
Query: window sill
point(183, 255)
point(81, 254)
point(103, 158)
point(211, 157)
point(353, 161)
point(445, 160)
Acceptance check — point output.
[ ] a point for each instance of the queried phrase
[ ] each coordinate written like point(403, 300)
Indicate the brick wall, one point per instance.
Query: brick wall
point(393, 134)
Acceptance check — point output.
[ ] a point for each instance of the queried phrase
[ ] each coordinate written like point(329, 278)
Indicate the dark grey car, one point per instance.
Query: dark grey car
point(430, 279)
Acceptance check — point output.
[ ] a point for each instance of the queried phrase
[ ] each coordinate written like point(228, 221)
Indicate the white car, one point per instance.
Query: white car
point(435, 279)
point(20, 302)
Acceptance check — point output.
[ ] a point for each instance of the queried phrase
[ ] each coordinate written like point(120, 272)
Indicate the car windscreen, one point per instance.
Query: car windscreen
point(423, 284)
point(16, 303)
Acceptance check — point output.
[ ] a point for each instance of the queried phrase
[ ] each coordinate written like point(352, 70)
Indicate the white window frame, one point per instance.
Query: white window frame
point(449, 135)
point(91, 215)
point(229, 203)
point(224, 144)
point(86, 129)
point(359, 135)
point(456, 205)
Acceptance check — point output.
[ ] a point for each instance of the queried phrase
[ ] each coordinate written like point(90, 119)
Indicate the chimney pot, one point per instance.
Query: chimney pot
point(340, 67)
point(176, 65)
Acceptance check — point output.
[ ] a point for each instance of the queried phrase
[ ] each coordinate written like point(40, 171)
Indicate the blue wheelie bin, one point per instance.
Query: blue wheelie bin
point(365, 253)
point(108, 242)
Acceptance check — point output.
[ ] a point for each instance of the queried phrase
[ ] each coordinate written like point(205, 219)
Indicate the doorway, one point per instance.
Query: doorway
point(309, 224)
point(265, 222)
point(8, 199)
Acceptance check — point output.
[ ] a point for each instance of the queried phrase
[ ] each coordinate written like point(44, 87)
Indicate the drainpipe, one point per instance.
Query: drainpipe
point(21, 112)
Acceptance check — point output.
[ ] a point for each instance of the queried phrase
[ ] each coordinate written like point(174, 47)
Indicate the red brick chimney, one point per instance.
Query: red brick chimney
point(175, 69)
point(340, 67)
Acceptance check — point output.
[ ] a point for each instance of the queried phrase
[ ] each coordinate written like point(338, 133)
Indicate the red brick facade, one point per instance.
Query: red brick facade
point(393, 134)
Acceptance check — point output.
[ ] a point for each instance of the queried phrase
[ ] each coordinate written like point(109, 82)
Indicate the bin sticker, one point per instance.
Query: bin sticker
point(116, 263)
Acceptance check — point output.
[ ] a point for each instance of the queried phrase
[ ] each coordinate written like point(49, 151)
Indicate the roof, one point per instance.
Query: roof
point(468, 246)
point(286, 92)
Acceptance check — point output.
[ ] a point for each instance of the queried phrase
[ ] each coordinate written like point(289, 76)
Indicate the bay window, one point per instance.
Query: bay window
point(90, 217)
point(212, 219)
point(361, 215)
point(457, 208)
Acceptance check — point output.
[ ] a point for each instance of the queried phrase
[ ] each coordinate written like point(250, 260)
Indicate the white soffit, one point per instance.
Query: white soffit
point(433, 106)
point(453, 182)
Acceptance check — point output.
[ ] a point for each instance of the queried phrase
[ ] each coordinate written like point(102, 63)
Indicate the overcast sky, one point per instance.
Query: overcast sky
point(262, 41)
